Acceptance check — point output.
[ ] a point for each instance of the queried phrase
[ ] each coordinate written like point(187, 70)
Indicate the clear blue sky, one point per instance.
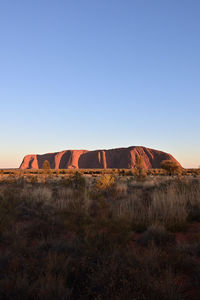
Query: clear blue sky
point(93, 74)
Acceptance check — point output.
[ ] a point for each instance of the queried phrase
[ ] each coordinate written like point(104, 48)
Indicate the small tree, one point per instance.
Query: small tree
point(46, 170)
point(78, 181)
point(139, 165)
point(1, 175)
point(171, 167)
point(46, 165)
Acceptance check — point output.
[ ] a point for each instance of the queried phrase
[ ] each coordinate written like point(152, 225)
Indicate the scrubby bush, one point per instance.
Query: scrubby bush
point(105, 182)
point(122, 172)
point(158, 235)
point(121, 189)
point(171, 167)
point(75, 181)
point(34, 179)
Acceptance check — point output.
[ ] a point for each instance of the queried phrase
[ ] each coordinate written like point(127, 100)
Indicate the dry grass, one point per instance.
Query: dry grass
point(171, 205)
point(68, 239)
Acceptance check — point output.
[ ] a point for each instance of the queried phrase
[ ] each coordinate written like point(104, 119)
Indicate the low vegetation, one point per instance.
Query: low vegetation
point(68, 234)
point(171, 167)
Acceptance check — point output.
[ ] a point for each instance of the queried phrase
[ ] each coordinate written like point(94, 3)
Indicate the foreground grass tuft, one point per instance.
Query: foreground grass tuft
point(78, 239)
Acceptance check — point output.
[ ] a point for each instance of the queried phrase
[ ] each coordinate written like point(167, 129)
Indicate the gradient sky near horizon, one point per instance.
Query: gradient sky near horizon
point(99, 74)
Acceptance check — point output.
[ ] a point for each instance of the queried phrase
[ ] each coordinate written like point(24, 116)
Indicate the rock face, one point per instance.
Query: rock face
point(97, 159)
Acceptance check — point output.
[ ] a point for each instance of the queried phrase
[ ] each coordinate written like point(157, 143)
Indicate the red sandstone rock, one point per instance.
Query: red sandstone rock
point(97, 159)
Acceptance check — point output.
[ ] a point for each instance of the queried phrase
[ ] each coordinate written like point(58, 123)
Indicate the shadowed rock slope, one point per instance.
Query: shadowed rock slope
point(97, 159)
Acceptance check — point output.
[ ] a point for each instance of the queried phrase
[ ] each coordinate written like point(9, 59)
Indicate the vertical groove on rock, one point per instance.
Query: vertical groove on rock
point(97, 159)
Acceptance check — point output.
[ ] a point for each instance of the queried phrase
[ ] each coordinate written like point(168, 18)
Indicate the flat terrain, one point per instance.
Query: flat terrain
point(99, 234)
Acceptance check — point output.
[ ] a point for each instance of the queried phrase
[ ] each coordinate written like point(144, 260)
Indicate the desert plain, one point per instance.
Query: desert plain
point(100, 233)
